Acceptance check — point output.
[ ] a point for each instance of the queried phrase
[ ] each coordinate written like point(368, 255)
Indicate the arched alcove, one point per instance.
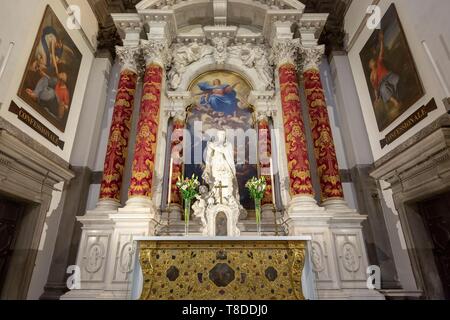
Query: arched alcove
point(221, 225)
point(208, 64)
point(221, 103)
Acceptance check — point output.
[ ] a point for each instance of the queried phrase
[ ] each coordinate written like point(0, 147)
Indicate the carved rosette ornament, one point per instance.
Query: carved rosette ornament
point(116, 152)
point(325, 152)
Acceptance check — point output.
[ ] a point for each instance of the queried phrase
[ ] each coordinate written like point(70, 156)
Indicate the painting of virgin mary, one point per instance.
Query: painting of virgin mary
point(221, 104)
point(220, 97)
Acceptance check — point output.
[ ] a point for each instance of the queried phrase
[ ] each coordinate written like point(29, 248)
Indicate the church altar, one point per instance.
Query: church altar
point(222, 268)
point(193, 85)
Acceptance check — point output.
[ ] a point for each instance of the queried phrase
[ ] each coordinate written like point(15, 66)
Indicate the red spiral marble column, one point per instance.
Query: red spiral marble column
point(265, 154)
point(294, 129)
point(116, 152)
point(147, 131)
point(178, 126)
point(327, 165)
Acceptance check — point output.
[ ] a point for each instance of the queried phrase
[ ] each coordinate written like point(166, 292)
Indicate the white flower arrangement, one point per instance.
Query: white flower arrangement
point(257, 188)
point(188, 187)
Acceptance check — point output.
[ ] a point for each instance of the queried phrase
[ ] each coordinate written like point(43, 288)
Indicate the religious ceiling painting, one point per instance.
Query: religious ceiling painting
point(390, 71)
point(221, 103)
point(51, 74)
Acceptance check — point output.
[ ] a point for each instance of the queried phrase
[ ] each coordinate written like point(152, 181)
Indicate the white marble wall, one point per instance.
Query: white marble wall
point(422, 21)
point(19, 23)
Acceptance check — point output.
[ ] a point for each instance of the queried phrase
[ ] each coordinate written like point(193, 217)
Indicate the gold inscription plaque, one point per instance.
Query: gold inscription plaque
point(222, 270)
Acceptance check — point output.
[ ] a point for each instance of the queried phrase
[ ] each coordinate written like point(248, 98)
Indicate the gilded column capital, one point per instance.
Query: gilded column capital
point(129, 57)
point(311, 57)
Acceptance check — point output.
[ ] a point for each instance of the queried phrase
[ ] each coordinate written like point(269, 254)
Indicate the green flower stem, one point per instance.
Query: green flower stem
point(187, 210)
point(258, 210)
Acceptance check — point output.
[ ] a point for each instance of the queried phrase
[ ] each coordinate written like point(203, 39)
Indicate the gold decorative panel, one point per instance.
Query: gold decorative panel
point(222, 269)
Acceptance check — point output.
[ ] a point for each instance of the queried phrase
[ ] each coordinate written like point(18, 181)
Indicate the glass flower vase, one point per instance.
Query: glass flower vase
point(187, 215)
point(258, 215)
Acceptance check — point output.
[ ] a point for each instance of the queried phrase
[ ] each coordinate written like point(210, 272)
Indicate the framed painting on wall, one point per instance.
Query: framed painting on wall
point(50, 77)
point(391, 74)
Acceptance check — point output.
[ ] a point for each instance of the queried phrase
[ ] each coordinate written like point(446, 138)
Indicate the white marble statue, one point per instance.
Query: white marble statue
point(220, 170)
point(223, 195)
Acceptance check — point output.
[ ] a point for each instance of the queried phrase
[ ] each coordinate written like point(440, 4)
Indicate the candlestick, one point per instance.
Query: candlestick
point(170, 182)
point(273, 182)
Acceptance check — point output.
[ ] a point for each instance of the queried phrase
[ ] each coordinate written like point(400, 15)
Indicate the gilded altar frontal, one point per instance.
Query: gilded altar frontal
point(222, 270)
point(224, 150)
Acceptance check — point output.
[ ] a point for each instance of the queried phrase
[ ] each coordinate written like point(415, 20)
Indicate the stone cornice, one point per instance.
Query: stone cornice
point(441, 122)
point(6, 126)
point(310, 23)
point(16, 155)
point(428, 152)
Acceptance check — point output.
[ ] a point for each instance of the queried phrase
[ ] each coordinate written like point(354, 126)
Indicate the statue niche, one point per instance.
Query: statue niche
point(221, 225)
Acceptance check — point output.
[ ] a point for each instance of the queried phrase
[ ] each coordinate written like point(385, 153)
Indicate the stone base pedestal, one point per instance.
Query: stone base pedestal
point(338, 253)
point(338, 206)
point(107, 205)
point(300, 205)
point(107, 252)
